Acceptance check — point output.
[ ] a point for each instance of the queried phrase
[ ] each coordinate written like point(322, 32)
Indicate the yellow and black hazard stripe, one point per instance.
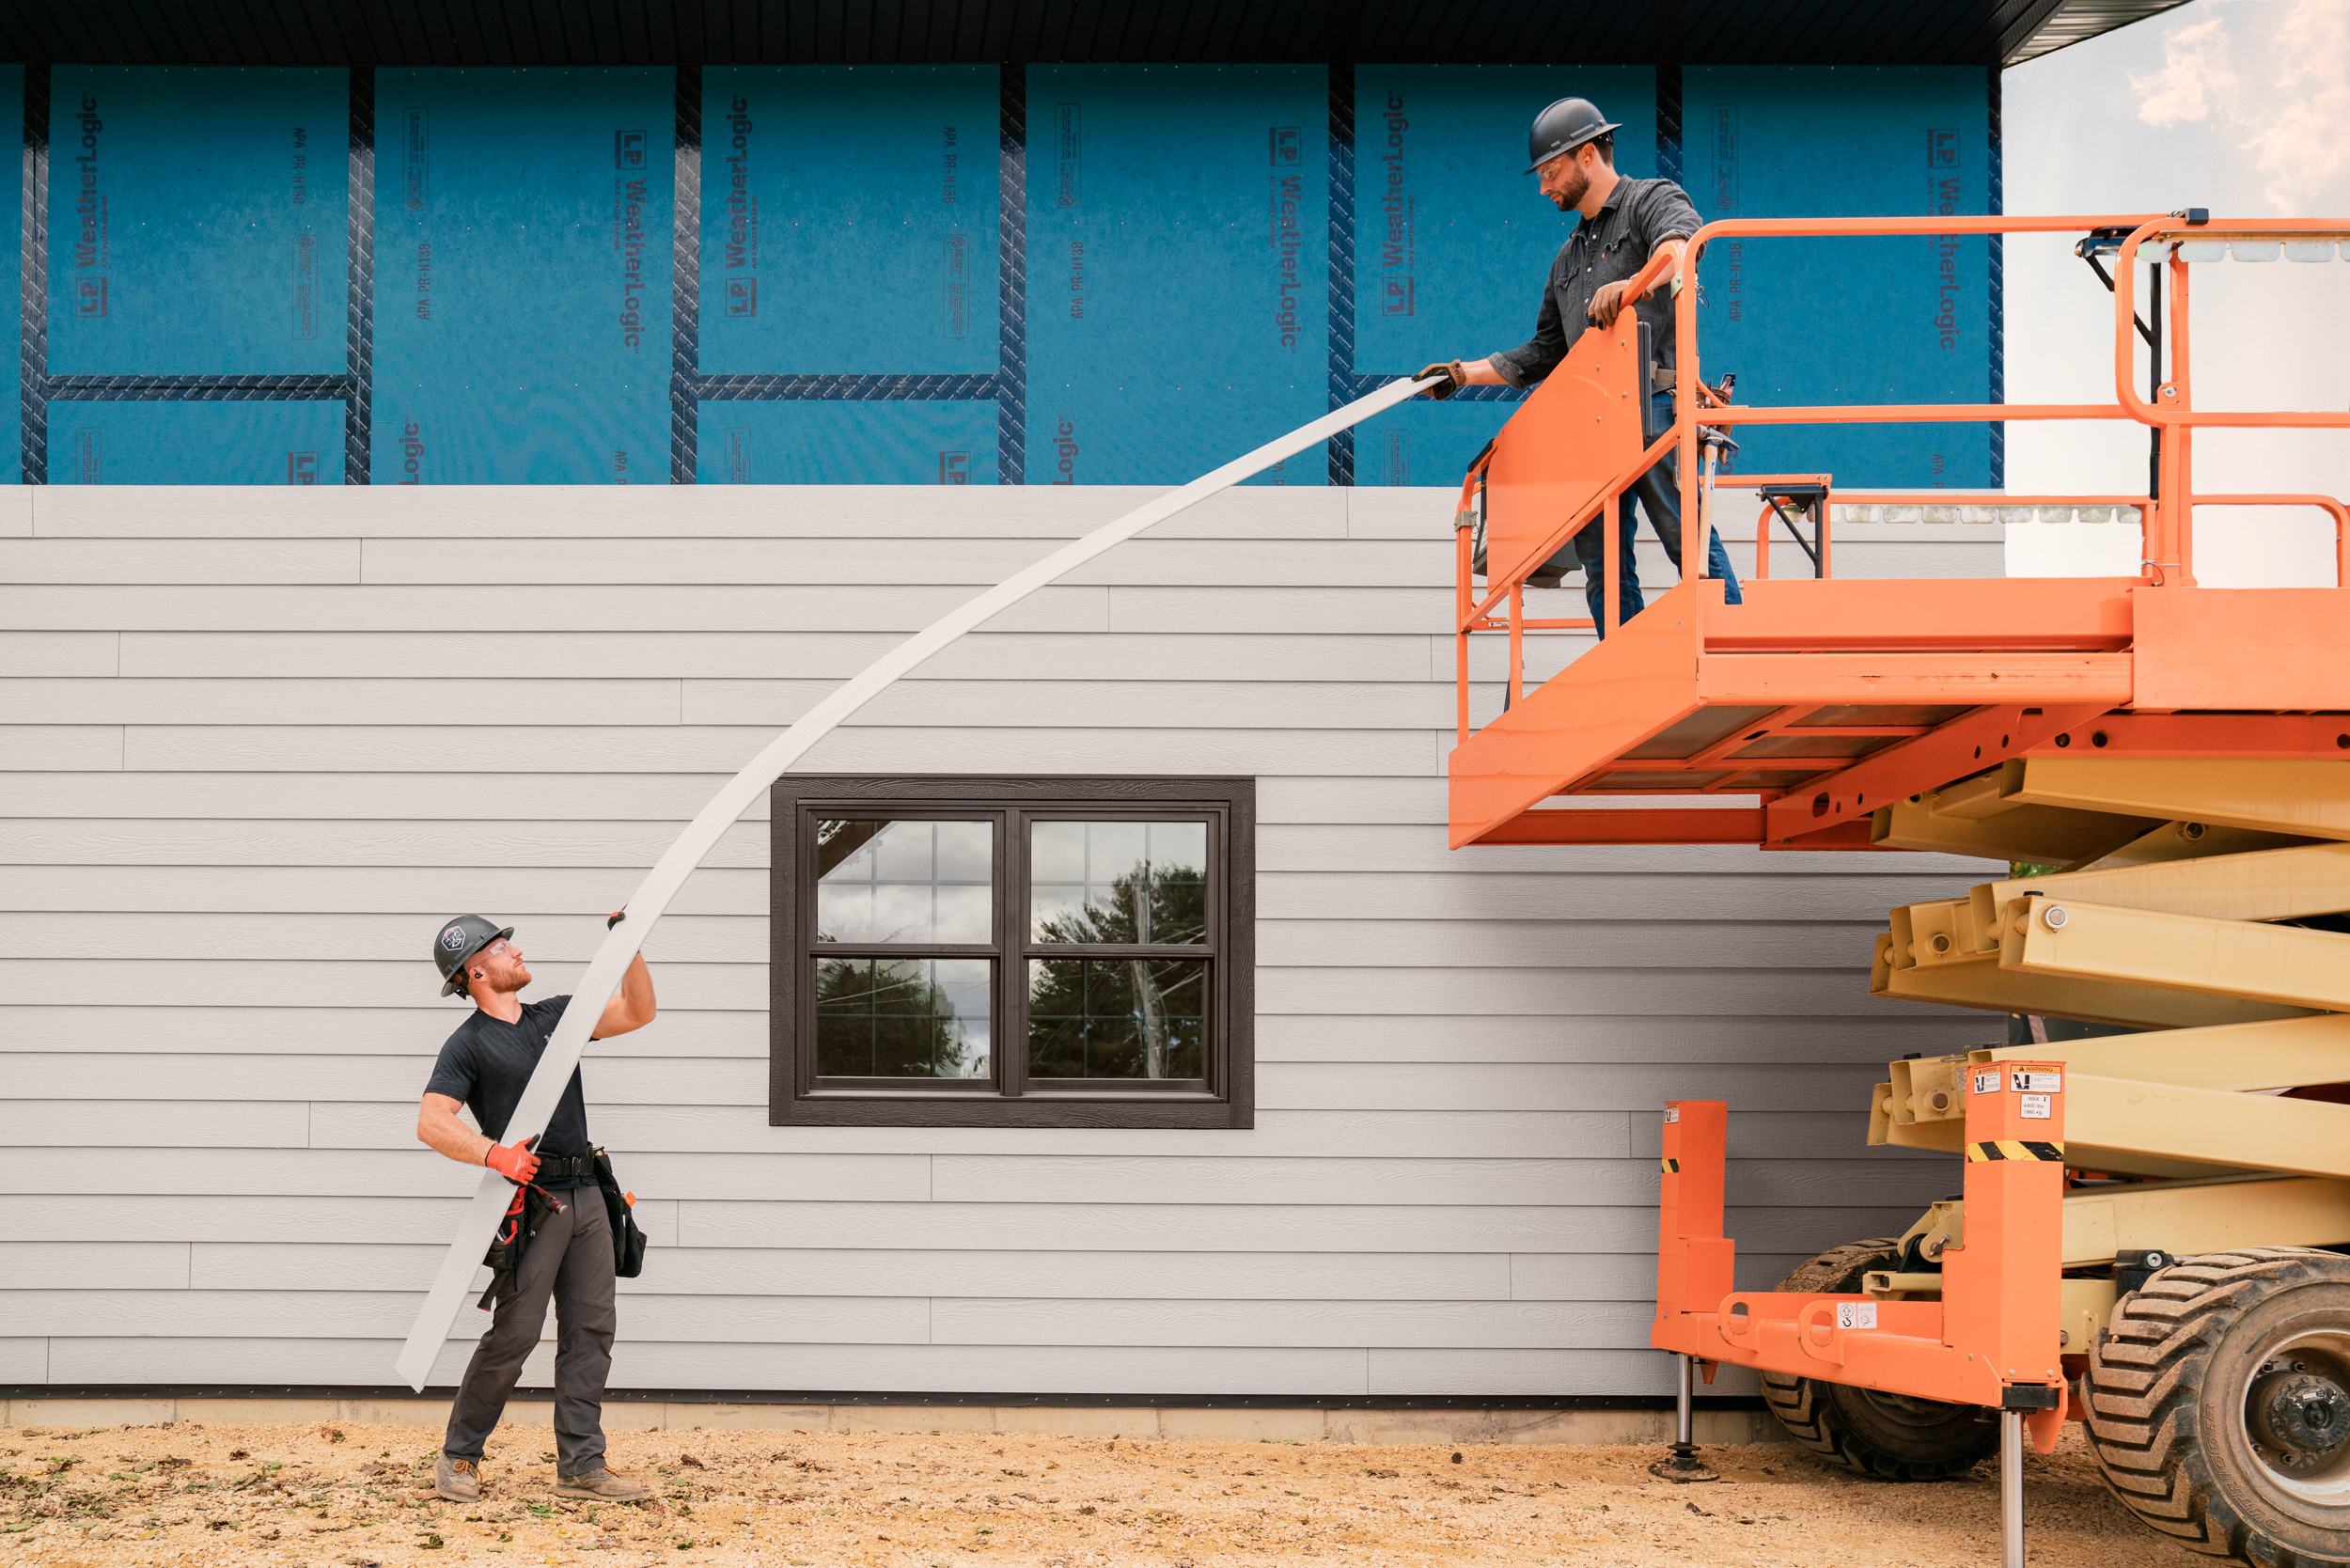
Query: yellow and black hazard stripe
point(1672, 1167)
point(2012, 1148)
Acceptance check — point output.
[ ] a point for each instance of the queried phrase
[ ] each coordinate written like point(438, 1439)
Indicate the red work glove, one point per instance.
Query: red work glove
point(513, 1161)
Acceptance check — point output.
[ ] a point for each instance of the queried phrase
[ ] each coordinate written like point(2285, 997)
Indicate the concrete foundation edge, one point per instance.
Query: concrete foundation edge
point(1212, 1424)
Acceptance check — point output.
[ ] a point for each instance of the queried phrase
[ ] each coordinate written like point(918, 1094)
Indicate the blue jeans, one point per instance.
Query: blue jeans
point(1658, 492)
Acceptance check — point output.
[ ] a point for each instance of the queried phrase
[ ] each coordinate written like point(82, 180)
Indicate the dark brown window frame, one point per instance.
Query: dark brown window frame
point(796, 1097)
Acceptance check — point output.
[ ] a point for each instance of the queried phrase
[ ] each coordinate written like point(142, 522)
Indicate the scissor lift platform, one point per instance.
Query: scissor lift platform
point(1832, 698)
point(2166, 767)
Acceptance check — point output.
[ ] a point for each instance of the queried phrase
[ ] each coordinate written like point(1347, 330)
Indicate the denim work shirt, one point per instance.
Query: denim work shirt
point(1637, 217)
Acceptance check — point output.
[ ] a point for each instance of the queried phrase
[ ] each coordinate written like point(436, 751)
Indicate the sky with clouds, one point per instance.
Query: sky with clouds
point(2241, 106)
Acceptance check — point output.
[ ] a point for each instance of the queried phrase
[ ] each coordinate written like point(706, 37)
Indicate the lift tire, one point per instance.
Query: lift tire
point(1889, 1436)
point(2191, 1361)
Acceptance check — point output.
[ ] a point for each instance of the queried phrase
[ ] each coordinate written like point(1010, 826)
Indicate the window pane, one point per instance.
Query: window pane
point(1118, 882)
point(904, 881)
point(1109, 1018)
point(903, 1017)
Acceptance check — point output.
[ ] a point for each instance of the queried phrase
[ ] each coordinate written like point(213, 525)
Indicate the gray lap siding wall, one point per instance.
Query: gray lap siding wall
point(254, 745)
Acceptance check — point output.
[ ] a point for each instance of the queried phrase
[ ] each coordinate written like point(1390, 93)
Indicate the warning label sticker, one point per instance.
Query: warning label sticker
point(1987, 1083)
point(1673, 1113)
point(2038, 1083)
point(1856, 1314)
point(2035, 1106)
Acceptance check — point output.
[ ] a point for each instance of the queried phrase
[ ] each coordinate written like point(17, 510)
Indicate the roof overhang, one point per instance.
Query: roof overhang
point(740, 32)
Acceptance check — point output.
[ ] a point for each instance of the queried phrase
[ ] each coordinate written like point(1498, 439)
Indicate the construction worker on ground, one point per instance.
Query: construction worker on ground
point(562, 1232)
point(1625, 223)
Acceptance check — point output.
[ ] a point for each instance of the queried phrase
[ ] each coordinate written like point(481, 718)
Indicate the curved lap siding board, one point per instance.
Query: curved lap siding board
point(439, 1313)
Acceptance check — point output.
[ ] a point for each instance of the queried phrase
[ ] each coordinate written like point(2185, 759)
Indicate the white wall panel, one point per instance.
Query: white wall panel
point(245, 772)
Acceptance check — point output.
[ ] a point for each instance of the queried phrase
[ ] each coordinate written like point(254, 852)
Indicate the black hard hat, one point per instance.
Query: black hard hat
point(457, 941)
point(1563, 127)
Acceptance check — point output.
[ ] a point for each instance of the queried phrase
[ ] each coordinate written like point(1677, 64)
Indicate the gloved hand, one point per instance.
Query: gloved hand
point(1455, 378)
point(513, 1161)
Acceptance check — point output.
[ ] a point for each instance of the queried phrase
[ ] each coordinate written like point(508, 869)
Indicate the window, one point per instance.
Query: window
point(1038, 952)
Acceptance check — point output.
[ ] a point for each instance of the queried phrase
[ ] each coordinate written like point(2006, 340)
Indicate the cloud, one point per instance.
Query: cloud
point(2195, 77)
point(2303, 142)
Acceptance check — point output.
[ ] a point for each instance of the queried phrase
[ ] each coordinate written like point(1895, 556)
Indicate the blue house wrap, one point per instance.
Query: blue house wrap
point(931, 273)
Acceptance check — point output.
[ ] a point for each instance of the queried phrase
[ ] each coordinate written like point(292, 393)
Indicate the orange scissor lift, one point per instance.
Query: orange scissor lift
point(2153, 1226)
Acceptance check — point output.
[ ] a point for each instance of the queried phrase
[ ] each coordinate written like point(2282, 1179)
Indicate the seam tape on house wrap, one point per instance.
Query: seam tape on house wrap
point(652, 898)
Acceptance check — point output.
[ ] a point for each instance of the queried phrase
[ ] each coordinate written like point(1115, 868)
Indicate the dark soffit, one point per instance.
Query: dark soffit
point(943, 32)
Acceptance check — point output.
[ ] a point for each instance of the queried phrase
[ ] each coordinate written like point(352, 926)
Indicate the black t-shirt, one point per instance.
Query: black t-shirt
point(487, 1064)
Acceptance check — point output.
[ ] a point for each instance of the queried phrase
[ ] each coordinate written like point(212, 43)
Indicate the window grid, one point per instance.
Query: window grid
point(1072, 1028)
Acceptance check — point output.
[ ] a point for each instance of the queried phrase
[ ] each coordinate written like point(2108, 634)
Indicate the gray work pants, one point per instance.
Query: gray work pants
point(569, 1261)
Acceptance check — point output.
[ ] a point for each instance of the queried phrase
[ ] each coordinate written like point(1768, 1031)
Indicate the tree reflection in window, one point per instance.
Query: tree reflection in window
point(1139, 882)
point(903, 1017)
point(1130, 883)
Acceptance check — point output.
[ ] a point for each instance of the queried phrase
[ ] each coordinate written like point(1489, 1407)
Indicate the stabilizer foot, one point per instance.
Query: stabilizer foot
point(1683, 1464)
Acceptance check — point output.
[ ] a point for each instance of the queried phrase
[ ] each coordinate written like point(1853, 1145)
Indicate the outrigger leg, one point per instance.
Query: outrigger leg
point(1683, 1463)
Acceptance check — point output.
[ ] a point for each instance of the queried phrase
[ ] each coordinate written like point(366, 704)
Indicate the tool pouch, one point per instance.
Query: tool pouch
point(533, 1206)
point(628, 1243)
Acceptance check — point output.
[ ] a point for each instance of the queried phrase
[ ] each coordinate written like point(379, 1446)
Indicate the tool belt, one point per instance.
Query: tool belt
point(566, 1168)
point(533, 1206)
point(628, 1243)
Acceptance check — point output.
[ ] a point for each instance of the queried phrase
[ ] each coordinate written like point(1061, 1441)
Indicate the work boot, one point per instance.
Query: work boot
point(602, 1485)
point(457, 1480)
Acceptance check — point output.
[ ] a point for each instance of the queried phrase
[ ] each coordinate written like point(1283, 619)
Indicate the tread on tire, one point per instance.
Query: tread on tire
point(2166, 1398)
point(1888, 1435)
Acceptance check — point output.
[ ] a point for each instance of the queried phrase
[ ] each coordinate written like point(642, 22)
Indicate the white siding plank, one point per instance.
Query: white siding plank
point(857, 1271)
point(1122, 1370)
point(418, 1173)
point(681, 748)
point(1089, 704)
point(1837, 992)
point(1357, 847)
point(409, 1033)
point(177, 1217)
point(1550, 944)
point(732, 655)
point(1307, 607)
point(1060, 1179)
point(1625, 1277)
point(654, 511)
point(642, 1364)
point(65, 748)
point(297, 1315)
point(294, 699)
point(194, 1122)
point(23, 1361)
point(69, 653)
point(68, 841)
point(1175, 1227)
point(422, 892)
point(95, 1266)
point(852, 562)
point(1484, 1325)
point(533, 607)
point(16, 511)
point(1650, 1037)
point(1656, 896)
point(381, 938)
point(177, 560)
point(1279, 1134)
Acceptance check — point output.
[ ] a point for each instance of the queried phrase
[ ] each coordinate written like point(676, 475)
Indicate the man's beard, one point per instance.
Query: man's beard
point(1574, 185)
point(512, 981)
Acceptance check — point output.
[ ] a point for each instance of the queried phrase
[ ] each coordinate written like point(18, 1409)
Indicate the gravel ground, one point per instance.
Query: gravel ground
point(360, 1496)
